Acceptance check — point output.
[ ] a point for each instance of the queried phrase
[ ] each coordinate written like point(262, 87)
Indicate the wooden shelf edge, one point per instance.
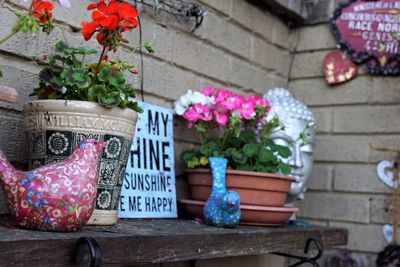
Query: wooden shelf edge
point(156, 241)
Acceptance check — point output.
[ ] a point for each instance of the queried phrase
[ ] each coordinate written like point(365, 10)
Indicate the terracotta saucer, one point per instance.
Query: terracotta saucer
point(250, 215)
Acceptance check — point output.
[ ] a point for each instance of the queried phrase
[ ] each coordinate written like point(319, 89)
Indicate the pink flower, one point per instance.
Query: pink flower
point(207, 91)
point(247, 110)
point(207, 114)
point(256, 100)
point(222, 94)
point(232, 102)
point(221, 118)
point(192, 114)
point(198, 112)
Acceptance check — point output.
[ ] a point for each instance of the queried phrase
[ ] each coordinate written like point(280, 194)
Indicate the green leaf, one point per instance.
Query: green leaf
point(285, 168)
point(95, 91)
point(265, 155)
point(250, 149)
point(193, 162)
point(110, 99)
point(149, 47)
point(283, 151)
point(76, 76)
point(248, 137)
point(1, 74)
point(60, 47)
point(117, 79)
point(209, 147)
point(187, 155)
point(134, 106)
point(245, 167)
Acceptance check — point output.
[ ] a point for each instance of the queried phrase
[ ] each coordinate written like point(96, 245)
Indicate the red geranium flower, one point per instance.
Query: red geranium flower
point(42, 10)
point(109, 21)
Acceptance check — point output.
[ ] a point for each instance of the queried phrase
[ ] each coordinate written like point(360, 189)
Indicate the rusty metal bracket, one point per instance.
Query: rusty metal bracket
point(312, 260)
point(94, 249)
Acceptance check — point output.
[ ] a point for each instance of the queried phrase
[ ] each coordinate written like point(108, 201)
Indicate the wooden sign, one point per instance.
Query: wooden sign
point(148, 190)
point(338, 69)
point(368, 30)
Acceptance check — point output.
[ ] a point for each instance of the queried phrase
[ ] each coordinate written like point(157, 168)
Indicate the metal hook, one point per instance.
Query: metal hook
point(306, 259)
point(94, 249)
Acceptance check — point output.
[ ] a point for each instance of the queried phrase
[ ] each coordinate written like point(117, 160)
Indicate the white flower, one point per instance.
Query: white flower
point(190, 98)
point(179, 109)
point(198, 97)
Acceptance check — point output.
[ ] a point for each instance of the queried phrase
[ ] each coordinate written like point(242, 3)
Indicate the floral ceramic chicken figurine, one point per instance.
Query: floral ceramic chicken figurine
point(58, 196)
point(222, 207)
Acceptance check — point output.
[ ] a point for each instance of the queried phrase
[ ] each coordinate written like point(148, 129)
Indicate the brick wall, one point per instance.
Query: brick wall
point(239, 46)
point(344, 189)
point(244, 48)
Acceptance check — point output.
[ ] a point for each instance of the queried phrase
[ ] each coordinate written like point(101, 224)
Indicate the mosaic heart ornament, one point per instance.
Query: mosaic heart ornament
point(384, 172)
point(338, 69)
point(387, 231)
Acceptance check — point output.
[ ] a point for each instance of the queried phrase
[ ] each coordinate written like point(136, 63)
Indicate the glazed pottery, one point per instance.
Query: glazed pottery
point(254, 188)
point(55, 197)
point(222, 207)
point(55, 127)
point(250, 215)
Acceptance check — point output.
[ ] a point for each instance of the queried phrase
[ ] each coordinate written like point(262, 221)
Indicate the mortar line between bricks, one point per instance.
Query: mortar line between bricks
point(200, 74)
point(321, 77)
point(229, 52)
point(220, 48)
point(205, 41)
point(350, 192)
point(335, 220)
point(244, 27)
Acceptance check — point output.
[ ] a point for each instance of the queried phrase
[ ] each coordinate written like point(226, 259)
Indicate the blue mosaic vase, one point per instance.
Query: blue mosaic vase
point(222, 207)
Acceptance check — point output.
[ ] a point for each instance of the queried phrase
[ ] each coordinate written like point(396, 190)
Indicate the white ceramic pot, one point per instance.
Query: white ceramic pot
point(55, 127)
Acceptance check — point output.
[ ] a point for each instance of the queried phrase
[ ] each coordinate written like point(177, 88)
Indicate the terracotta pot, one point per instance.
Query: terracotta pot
point(254, 188)
point(250, 215)
point(55, 127)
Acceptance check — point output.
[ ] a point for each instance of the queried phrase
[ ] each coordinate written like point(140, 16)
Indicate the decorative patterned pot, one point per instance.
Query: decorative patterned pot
point(254, 188)
point(55, 127)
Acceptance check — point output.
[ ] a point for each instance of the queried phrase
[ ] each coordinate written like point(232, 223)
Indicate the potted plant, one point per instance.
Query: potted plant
point(79, 99)
point(235, 127)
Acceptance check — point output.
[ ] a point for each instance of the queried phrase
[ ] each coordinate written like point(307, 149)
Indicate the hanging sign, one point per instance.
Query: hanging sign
point(148, 190)
point(368, 30)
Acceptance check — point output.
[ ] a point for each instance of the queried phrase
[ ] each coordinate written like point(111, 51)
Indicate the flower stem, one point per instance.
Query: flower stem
point(8, 36)
point(101, 58)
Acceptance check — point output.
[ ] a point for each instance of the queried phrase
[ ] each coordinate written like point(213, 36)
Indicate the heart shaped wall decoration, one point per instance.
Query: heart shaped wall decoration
point(385, 173)
point(387, 231)
point(338, 69)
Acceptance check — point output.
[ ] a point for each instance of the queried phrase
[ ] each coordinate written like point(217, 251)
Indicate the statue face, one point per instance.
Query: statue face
point(301, 160)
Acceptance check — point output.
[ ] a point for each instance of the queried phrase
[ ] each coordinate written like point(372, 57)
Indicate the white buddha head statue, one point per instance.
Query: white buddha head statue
point(296, 118)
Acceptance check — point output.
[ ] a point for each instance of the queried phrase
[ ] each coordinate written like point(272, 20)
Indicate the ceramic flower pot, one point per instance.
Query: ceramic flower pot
point(250, 214)
point(254, 188)
point(55, 127)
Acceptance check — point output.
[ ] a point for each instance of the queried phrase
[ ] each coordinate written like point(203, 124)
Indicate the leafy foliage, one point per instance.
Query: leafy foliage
point(245, 151)
point(69, 77)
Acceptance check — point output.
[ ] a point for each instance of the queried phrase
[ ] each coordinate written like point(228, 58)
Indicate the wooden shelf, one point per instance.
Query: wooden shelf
point(138, 241)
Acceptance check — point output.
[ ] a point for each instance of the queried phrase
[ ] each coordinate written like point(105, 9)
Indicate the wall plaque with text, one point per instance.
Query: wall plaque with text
point(368, 30)
point(148, 190)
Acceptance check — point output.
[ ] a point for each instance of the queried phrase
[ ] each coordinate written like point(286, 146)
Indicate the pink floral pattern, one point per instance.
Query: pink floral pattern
point(55, 197)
